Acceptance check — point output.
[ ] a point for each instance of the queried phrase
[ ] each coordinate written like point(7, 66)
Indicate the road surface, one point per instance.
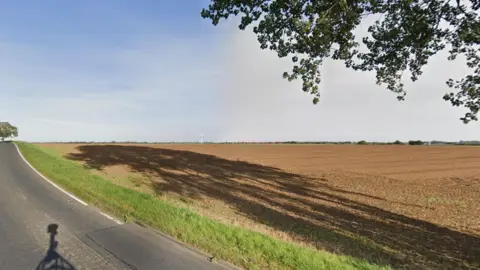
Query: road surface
point(41, 226)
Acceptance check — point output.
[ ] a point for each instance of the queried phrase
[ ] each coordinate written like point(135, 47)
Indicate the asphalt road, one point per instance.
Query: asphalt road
point(41, 226)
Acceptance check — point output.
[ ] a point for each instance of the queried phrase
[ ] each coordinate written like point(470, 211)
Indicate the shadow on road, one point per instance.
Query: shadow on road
point(53, 260)
point(311, 210)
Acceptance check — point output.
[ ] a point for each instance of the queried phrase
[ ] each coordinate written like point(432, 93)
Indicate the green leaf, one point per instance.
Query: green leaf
point(403, 38)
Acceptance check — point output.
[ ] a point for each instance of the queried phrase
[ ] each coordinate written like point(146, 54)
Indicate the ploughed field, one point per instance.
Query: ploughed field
point(416, 207)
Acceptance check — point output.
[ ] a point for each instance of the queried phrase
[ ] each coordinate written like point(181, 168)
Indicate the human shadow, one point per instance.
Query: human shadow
point(53, 260)
point(306, 208)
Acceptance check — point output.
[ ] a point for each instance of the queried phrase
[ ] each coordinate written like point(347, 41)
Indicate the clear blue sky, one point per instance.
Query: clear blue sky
point(155, 71)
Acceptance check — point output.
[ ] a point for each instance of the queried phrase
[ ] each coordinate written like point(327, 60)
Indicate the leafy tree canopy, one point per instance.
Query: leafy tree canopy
point(7, 130)
point(404, 36)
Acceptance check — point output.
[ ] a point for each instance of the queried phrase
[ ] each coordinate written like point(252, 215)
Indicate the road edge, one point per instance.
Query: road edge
point(46, 179)
point(60, 188)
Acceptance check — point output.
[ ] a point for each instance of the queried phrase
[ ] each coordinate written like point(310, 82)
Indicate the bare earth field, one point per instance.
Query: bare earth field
point(413, 207)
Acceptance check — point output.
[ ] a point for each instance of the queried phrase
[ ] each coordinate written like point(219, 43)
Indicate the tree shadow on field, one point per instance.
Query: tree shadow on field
point(316, 212)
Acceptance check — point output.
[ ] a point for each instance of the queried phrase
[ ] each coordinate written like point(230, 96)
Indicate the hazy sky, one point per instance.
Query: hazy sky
point(156, 71)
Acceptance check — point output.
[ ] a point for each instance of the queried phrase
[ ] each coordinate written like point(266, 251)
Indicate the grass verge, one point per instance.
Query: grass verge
point(247, 249)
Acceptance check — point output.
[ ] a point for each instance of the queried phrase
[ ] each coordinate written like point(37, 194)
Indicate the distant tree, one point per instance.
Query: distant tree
point(397, 142)
point(415, 142)
point(7, 131)
point(405, 34)
point(362, 142)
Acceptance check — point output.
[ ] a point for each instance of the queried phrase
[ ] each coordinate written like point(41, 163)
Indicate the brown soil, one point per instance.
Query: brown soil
point(416, 207)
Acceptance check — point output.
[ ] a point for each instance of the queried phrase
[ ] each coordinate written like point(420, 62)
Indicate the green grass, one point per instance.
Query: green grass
point(239, 246)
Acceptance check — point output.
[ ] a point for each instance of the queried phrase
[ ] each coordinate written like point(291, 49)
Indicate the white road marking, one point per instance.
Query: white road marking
point(48, 180)
point(111, 218)
point(105, 215)
point(62, 190)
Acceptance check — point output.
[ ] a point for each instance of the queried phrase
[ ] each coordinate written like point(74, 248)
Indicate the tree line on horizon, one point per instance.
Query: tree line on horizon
point(9, 131)
point(362, 142)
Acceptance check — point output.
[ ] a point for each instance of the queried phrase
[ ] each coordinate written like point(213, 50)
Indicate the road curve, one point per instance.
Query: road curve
point(40, 225)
